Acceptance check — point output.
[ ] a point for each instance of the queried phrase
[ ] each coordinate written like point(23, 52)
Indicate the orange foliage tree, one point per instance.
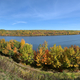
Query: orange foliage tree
point(46, 58)
point(43, 56)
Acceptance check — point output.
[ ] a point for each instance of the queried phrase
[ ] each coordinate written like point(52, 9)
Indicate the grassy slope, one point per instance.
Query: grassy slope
point(10, 70)
point(7, 76)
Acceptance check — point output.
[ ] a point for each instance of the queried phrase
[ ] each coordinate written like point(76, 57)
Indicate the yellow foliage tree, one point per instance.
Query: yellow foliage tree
point(56, 53)
point(39, 57)
point(2, 40)
point(8, 47)
point(22, 42)
point(5, 51)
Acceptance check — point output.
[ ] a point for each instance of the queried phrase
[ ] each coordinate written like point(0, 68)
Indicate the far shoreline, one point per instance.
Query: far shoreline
point(39, 35)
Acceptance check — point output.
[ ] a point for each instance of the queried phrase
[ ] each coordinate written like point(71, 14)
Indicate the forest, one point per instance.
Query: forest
point(37, 32)
point(54, 58)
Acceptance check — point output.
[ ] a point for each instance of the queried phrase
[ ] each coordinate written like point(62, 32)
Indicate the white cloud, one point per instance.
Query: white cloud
point(19, 22)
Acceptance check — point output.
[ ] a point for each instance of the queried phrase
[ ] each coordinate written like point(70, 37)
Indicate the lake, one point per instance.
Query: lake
point(63, 40)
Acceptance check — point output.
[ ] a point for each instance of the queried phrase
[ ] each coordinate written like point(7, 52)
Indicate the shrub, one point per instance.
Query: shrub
point(14, 44)
point(2, 44)
point(56, 56)
point(43, 56)
point(27, 53)
point(7, 50)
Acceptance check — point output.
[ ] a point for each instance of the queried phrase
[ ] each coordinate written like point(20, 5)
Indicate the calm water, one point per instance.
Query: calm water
point(64, 40)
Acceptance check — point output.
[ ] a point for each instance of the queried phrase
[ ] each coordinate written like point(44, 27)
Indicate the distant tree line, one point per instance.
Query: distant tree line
point(37, 32)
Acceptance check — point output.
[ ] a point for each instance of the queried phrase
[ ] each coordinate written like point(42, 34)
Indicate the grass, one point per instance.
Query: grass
point(7, 76)
point(10, 70)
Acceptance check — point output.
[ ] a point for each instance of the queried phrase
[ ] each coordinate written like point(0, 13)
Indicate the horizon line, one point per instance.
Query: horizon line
point(39, 29)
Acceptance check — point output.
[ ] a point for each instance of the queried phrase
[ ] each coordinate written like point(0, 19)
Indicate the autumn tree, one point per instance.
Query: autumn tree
point(27, 53)
point(43, 55)
point(56, 52)
point(22, 42)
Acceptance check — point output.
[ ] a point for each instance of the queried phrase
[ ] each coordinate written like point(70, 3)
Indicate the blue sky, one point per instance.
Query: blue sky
point(40, 14)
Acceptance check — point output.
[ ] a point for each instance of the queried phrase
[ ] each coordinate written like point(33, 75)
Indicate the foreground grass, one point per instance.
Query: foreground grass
point(7, 76)
point(10, 70)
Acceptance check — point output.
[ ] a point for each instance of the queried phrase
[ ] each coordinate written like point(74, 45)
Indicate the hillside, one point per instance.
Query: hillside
point(8, 69)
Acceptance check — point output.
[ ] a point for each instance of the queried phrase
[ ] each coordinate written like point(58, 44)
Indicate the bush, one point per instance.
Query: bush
point(26, 53)
point(56, 53)
point(43, 56)
point(56, 57)
point(14, 44)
